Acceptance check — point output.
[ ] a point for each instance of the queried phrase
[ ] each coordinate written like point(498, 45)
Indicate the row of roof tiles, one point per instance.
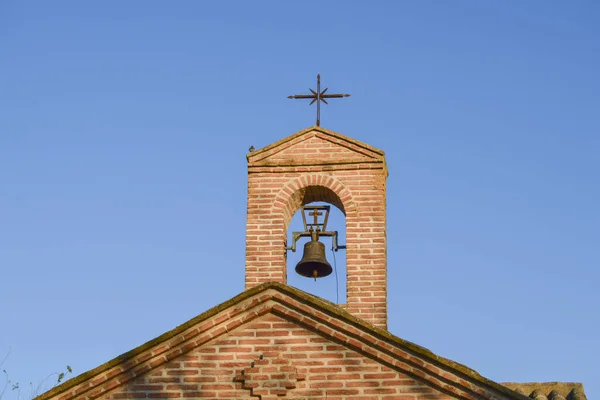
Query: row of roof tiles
point(549, 390)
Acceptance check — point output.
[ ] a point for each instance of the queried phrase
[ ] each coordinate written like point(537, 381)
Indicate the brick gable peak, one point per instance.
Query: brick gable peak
point(450, 379)
point(327, 146)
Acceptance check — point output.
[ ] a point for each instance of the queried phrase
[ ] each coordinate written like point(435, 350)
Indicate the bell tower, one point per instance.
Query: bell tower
point(317, 164)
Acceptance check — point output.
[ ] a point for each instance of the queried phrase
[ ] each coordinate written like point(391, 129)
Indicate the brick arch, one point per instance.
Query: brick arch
point(313, 187)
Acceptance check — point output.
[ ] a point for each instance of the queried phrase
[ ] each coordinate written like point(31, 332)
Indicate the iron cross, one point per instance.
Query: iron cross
point(318, 96)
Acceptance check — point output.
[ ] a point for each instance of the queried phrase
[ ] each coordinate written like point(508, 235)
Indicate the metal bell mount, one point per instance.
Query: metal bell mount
point(314, 264)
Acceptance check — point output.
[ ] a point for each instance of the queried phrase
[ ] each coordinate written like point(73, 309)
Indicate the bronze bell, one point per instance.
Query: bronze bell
point(313, 263)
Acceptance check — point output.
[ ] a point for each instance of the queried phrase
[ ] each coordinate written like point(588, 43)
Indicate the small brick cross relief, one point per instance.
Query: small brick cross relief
point(269, 378)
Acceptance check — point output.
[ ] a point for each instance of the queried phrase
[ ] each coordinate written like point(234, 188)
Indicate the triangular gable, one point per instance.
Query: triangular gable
point(273, 305)
point(326, 146)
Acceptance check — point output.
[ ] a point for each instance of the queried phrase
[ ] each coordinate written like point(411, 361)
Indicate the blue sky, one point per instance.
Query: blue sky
point(123, 133)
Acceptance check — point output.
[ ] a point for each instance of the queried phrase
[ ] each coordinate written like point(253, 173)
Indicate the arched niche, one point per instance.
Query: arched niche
point(318, 190)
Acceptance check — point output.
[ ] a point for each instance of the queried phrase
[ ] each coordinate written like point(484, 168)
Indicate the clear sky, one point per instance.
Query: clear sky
point(123, 133)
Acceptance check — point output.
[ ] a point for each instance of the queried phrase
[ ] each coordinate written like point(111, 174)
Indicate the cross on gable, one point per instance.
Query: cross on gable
point(318, 96)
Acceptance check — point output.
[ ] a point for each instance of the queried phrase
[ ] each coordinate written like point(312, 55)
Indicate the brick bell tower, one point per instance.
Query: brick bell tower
point(317, 164)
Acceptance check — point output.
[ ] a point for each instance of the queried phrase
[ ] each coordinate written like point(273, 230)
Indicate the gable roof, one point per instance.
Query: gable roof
point(314, 313)
point(354, 148)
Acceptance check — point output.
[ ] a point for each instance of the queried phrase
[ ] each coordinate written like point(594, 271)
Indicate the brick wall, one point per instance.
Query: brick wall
point(319, 165)
point(272, 357)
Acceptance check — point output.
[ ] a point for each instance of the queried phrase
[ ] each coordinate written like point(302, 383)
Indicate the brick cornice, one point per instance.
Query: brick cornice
point(306, 310)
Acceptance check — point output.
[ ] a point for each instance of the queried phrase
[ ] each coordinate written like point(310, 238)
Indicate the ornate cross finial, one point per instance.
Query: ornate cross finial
point(318, 96)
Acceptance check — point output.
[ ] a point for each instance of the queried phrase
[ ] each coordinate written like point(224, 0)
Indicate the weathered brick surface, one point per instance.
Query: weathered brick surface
point(319, 165)
point(269, 358)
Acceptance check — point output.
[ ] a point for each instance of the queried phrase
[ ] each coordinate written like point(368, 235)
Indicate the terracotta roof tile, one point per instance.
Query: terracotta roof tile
point(549, 390)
